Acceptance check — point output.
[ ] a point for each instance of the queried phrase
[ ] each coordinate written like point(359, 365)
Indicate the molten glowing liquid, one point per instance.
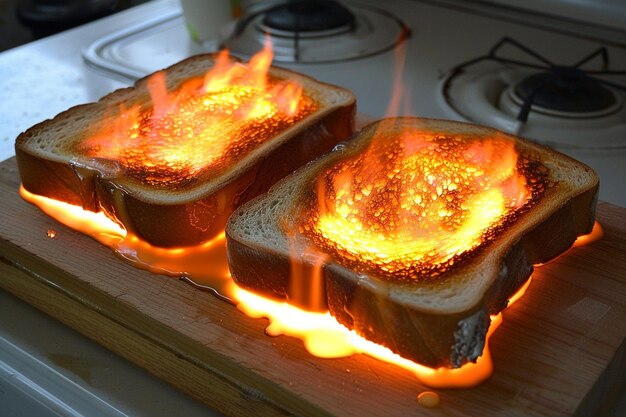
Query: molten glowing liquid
point(205, 126)
point(412, 204)
point(204, 262)
point(322, 335)
point(596, 234)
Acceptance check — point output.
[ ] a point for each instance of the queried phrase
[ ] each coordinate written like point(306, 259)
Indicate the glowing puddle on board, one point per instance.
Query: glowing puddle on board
point(206, 264)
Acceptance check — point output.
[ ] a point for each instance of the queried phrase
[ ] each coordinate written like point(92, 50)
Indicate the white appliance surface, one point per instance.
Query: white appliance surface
point(43, 78)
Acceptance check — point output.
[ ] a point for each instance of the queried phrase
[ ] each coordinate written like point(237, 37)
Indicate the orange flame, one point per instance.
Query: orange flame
point(399, 102)
point(205, 125)
point(322, 335)
point(413, 203)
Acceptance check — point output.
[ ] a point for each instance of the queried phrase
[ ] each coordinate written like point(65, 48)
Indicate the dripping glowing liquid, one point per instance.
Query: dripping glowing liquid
point(206, 262)
point(595, 235)
point(321, 334)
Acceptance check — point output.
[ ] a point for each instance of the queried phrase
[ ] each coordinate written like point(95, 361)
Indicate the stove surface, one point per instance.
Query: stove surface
point(419, 68)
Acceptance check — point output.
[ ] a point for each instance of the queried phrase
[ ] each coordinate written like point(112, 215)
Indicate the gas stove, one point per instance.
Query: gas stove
point(412, 63)
point(313, 32)
point(552, 84)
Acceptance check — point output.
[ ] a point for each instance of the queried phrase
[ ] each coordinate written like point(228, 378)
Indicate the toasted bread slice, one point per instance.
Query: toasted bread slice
point(52, 164)
point(436, 315)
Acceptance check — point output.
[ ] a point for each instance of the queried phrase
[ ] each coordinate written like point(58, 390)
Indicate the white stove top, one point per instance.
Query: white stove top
point(43, 78)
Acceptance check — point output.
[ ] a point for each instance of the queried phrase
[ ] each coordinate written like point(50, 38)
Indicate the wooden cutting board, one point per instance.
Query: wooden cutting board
point(560, 350)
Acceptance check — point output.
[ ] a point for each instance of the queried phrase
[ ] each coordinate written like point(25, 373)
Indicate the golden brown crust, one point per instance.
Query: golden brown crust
point(391, 313)
point(186, 221)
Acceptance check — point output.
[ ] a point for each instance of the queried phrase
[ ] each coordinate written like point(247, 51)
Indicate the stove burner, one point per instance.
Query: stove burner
point(564, 89)
point(309, 16)
point(317, 31)
point(569, 108)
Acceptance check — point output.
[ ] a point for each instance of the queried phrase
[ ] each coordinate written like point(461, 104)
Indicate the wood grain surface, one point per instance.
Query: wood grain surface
point(560, 350)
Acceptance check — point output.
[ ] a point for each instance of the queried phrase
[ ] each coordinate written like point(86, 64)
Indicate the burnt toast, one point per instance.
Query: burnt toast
point(191, 210)
point(432, 310)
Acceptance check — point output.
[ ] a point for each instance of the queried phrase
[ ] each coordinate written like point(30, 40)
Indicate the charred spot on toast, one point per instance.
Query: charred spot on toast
point(195, 132)
point(412, 206)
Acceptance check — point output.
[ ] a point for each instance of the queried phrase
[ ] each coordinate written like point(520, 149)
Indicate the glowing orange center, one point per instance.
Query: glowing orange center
point(205, 125)
point(412, 204)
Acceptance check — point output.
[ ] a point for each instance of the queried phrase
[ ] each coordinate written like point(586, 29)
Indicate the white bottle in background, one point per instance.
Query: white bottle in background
point(208, 20)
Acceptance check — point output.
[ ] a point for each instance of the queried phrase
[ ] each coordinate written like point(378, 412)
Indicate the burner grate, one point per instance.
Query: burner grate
point(558, 88)
point(305, 31)
point(308, 16)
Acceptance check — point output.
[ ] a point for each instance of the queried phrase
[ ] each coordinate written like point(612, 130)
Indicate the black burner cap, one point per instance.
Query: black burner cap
point(308, 16)
point(565, 89)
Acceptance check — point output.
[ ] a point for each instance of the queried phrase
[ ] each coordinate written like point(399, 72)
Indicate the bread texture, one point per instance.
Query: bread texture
point(437, 318)
point(189, 213)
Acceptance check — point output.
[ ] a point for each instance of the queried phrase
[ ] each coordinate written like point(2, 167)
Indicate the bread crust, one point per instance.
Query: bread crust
point(186, 217)
point(395, 314)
